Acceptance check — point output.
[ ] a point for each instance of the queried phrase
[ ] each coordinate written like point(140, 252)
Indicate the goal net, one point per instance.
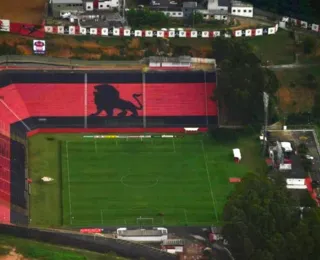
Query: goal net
point(143, 221)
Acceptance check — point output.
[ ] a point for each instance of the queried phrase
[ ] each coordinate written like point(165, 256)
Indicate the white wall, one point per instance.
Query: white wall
point(242, 11)
point(108, 4)
point(89, 6)
point(145, 239)
point(175, 14)
point(208, 16)
point(212, 5)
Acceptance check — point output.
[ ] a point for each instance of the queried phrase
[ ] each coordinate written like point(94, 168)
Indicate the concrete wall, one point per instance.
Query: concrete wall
point(242, 11)
point(57, 8)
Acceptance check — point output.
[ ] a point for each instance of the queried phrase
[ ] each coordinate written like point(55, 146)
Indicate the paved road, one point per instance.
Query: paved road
point(312, 151)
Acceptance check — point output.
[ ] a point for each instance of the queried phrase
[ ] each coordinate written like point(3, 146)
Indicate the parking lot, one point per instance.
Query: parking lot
point(296, 137)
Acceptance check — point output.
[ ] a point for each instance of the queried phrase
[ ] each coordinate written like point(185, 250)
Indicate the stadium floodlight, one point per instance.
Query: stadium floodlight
point(144, 99)
point(85, 100)
point(266, 107)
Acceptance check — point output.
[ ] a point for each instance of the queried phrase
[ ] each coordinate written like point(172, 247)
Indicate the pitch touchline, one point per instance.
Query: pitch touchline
point(209, 180)
point(68, 171)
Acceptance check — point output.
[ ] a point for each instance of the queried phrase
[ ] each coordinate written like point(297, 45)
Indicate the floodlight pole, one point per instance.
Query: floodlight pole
point(266, 106)
point(206, 96)
point(85, 100)
point(144, 99)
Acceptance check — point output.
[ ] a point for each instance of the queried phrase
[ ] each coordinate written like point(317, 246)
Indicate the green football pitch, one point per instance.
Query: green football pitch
point(119, 182)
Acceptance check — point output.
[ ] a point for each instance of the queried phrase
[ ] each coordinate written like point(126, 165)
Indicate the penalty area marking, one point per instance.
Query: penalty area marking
point(156, 181)
point(68, 173)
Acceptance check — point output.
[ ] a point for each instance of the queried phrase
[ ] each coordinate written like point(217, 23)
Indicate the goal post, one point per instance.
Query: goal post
point(143, 221)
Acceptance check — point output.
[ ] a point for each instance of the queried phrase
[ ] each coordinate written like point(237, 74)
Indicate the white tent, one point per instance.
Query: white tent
point(236, 154)
point(286, 146)
point(46, 179)
point(297, 184)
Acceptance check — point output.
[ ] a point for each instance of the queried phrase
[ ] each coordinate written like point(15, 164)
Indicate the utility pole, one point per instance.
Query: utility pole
point(123, 9)
point(266, 106)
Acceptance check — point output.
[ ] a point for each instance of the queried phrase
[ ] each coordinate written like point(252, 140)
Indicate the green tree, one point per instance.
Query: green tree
point(145, 18)
point(309, 45)
point(262, 221)
point(302, 149)
point(242, 80)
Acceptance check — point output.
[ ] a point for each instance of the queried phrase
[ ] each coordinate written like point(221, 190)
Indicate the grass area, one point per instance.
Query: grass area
point(114, 181)
point(36, 250)
point(294, 95)
point(277, 49)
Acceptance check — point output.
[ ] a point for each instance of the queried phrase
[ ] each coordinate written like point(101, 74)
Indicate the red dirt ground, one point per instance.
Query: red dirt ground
point(23, 11)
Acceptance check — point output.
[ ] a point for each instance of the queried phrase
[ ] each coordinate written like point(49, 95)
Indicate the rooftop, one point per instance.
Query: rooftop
point(224, 3)
point(240, 4)
point(104, 14)
point(189, 4)
point(140, 233)
point(214, 12)
point(173, 242)
point(163, 8)
point(186, 59)
point(163, 3)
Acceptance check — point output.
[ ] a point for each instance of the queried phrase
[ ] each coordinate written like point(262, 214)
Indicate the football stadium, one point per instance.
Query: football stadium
point(119, 148)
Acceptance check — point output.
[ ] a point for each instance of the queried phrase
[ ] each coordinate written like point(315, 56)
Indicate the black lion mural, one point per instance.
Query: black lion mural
point(107, 98)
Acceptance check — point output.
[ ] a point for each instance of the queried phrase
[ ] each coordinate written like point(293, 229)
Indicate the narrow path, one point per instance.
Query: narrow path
point(294, 65)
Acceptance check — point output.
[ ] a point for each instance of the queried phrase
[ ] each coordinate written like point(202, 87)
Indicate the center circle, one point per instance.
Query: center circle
point(139, 180)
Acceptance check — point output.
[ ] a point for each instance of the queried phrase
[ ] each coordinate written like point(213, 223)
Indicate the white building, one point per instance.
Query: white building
point(142, 235)
point(218, 5)
point(241, 9)
point(91, 5)
point(174, 13)
point(214, 14)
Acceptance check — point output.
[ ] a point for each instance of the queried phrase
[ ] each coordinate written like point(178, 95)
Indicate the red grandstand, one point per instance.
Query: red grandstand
point(91, 101)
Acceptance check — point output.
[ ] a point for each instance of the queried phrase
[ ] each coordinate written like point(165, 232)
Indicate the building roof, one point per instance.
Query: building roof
point(164, 8)
point(240, 4)
point(173, 242)
point(189, 5)
point(66, 1)
point(141, 233)
point(223, 3)
point(181, 59)
point(164, 3)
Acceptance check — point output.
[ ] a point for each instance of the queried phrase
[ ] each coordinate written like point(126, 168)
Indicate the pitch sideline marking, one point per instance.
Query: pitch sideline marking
point(68, 172)
point(95, 145)
point(174, 146)
point(209, 180)
point(185, 215)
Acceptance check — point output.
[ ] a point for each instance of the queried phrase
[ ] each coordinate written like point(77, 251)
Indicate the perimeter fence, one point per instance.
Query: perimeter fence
point(9, 60)
point(96, 243)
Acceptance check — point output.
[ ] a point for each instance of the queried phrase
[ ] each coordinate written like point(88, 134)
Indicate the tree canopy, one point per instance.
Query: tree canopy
point(242, 81)
point(145, 18)
point(302, 9)
point(262, 222)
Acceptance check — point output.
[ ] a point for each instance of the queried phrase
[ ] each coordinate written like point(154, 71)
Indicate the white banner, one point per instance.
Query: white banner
point(4, 25)
point(39, 47)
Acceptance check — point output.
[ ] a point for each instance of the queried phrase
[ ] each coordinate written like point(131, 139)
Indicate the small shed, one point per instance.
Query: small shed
point(236, 155)
point(173, 246)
